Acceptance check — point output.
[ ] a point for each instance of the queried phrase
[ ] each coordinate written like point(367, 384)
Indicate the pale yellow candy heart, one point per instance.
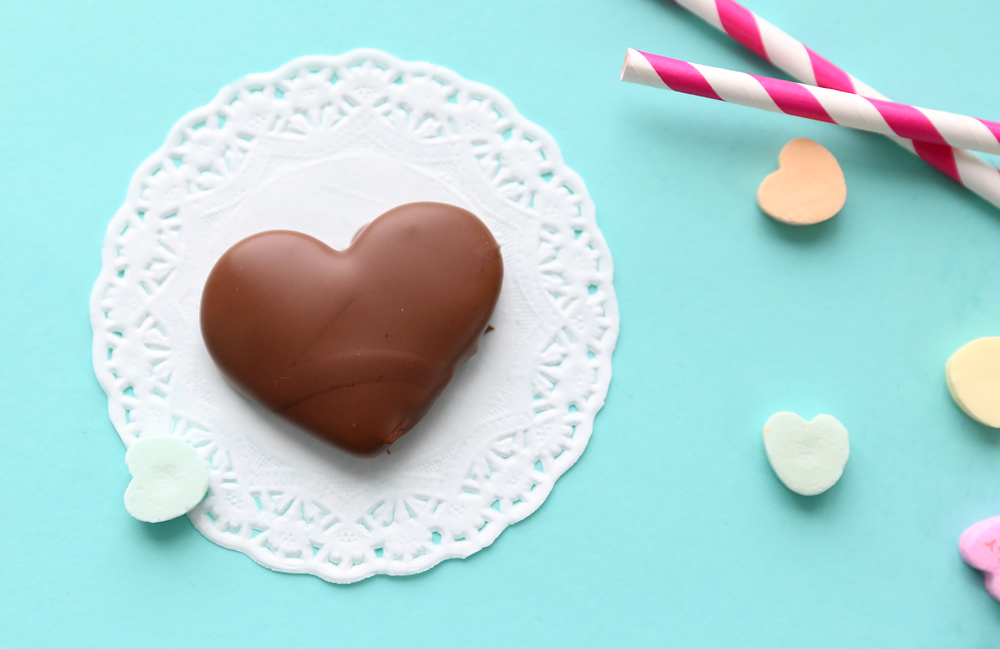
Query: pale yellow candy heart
point(973, 375)
point(808, 186)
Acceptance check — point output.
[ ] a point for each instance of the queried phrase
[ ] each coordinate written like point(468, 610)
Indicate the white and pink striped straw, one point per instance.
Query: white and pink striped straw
point(821, 104)
point(793, 57)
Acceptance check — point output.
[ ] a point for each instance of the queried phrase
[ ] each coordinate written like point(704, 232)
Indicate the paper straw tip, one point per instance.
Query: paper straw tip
point(629, 53)
point(636, 68)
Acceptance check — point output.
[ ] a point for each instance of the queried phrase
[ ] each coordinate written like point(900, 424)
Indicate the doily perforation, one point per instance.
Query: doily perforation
point(257, 128)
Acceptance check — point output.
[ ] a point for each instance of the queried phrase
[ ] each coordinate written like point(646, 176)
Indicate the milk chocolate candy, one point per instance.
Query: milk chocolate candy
point(354, 345)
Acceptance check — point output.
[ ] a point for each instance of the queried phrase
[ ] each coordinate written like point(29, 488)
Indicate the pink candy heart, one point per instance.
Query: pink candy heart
point(980, 547)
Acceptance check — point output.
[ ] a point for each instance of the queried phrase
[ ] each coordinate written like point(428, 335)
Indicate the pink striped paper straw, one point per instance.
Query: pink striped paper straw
point(807, 66)
point(822, 104)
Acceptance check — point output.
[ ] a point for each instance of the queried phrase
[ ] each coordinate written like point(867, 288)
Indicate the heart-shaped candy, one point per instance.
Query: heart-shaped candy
point(973, 375)
point(808, 456)
point(808, 186)
point(354, 346)
point(168, 479)
point(980, 548)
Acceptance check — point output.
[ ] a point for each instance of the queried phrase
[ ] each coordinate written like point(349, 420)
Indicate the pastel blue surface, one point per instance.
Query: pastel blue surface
point(671, 530)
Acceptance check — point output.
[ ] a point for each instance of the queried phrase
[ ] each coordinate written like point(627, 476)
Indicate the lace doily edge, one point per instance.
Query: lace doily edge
point(561, 464)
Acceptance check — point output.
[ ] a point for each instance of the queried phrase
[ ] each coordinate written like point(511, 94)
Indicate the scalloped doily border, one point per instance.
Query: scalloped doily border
point(198, 163)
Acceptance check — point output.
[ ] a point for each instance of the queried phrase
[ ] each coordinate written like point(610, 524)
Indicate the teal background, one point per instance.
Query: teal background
point(671, 530)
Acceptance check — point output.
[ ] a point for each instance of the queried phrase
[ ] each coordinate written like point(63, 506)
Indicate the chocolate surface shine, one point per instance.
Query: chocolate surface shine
point(354, 346)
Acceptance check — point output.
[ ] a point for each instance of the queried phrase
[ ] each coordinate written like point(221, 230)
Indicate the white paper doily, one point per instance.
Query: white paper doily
point(324, 145)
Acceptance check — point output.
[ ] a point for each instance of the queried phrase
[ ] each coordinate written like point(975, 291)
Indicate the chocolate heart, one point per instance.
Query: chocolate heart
point(354, 346)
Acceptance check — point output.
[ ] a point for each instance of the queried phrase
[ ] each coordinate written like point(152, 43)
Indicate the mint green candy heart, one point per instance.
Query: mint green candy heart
point(168, 479)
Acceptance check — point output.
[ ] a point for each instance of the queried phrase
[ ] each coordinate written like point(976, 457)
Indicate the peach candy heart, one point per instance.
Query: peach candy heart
point(808, 186)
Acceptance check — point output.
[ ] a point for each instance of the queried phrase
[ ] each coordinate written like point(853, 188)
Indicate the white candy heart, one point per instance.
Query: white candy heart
point(808, 456)
point(168, 479)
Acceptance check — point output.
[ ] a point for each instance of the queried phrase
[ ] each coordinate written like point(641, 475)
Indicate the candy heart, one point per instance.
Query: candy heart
point(809, 457)
point(354, 346)
point(973, 375)
point(168, 479)
point(980, 549)
point(808, 186)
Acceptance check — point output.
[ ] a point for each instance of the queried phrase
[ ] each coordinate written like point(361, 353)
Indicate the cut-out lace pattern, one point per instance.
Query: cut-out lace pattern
point(562, 319)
